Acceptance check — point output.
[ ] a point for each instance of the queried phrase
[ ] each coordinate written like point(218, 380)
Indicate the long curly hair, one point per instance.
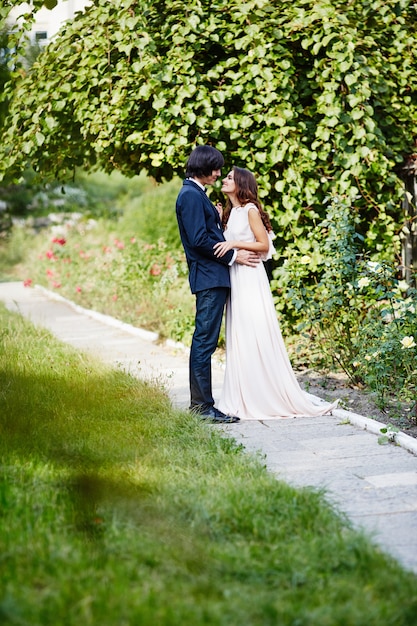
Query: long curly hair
point(246, 191)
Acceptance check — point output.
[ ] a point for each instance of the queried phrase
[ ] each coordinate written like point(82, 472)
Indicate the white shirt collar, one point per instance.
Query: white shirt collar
point(197, 182)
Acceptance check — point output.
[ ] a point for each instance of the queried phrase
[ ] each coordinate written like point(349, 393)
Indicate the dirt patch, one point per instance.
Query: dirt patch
point(330, 386)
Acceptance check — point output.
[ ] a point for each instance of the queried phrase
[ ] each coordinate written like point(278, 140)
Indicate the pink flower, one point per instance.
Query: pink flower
point(59, 240)
point(78, 289)
point(49, 273)
point(56, 285)
point(106, 249)
point(49, 254)
point(114, 297)
point(119, 244)
point(27, 282)
point(155, 270)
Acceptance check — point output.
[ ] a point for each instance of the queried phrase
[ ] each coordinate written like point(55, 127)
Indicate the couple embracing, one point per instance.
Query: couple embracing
point(224, 251)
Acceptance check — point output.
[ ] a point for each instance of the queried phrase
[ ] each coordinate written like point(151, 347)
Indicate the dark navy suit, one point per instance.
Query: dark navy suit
point(200, 229)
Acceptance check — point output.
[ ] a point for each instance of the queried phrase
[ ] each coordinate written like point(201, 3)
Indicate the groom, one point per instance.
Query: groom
point(200, 229)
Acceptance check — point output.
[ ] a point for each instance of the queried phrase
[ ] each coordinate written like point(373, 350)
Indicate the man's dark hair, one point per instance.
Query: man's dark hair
point(202, 161)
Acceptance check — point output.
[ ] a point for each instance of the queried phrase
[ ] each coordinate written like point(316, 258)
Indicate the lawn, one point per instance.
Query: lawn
point(118, 510)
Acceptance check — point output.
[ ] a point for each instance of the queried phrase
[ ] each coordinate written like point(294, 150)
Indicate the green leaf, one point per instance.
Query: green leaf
point(40, 138)
point(350, 79)
point(159, 102)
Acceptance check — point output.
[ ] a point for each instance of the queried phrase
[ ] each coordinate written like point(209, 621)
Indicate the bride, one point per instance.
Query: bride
point(259, 380)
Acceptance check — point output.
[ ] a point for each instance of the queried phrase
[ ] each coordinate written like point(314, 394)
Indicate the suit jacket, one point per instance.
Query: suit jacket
point(200, 228)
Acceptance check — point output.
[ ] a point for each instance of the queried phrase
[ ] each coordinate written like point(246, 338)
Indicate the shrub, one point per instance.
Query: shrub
point(360, 312)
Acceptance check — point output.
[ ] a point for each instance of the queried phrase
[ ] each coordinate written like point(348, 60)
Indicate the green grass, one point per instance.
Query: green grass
point(117, 510)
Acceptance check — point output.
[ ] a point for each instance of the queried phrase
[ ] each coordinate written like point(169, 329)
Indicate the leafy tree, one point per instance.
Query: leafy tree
point(4, 71)
point(5, 217)
point(317, 98)
point(15, 51)
point(25, 20)
point(17, 55)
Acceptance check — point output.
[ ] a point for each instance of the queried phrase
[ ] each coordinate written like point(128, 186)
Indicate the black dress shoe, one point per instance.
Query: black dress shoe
point(214, 416)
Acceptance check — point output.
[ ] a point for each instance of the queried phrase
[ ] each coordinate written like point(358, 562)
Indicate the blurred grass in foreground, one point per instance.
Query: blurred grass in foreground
point(117, 509)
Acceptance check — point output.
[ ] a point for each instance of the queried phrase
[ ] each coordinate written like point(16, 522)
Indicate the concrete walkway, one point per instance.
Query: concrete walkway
point(375, 485)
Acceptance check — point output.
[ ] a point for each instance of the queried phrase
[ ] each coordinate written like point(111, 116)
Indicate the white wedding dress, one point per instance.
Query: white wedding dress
point(259, 381)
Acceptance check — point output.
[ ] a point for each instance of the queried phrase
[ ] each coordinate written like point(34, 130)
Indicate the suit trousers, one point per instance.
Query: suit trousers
point(210, 305)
